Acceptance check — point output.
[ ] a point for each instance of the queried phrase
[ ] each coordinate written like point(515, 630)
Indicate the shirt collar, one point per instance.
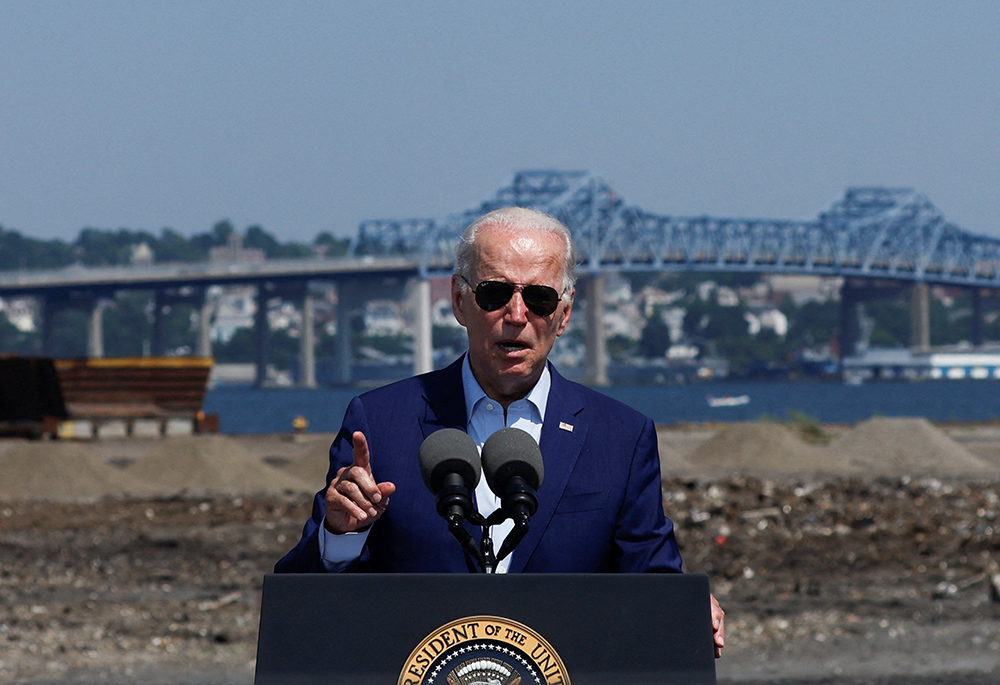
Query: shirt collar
point(539, 395)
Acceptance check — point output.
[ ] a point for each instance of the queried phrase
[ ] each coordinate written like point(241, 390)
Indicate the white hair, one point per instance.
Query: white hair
point(520, 218)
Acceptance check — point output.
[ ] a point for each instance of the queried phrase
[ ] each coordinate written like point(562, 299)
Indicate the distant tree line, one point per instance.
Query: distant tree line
point(114, 247)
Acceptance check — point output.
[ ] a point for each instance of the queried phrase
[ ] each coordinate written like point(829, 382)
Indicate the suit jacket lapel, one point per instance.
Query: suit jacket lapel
point(563, 434)
point(445, 400)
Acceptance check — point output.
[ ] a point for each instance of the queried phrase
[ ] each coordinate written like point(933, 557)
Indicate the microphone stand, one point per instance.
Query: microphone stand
point(454, 503)
point(521, 525)
point(519, 502)
point(464, 537)
point(522, 522)
point(486, 556)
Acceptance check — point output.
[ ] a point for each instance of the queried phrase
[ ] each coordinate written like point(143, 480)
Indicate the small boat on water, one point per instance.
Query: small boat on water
point(727, 400)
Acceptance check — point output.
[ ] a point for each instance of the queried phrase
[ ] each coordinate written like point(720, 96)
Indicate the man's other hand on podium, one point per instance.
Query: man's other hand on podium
point(718, 626)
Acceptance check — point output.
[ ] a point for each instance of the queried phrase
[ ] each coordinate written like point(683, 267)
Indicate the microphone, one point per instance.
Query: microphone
point(512, 463)
point(450, 466)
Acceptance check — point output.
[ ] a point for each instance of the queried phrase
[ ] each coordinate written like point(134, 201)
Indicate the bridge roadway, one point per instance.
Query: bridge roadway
point(878, 240)
point(175, 276)
point(90, 288)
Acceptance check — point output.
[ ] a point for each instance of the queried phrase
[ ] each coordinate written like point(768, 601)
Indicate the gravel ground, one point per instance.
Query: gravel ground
point(829, 574)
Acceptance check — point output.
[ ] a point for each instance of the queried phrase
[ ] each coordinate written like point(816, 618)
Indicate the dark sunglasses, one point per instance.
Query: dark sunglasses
point(492, 295)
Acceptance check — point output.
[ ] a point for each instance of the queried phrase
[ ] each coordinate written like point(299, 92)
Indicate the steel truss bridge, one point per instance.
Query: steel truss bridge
point(890, 233)
point(871, 236)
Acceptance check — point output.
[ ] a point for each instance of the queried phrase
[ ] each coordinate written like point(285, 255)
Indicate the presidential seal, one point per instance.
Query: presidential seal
point(484, 650)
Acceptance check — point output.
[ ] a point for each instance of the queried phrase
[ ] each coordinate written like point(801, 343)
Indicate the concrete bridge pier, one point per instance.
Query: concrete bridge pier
point(347, 303)
point(849, 299)
point(197, 299)
point(44, 332)
point(307, 341)
point(262, 333)
point(158, 343)
point(206, 308)
point(95, 329)
point(93, 304)
point(46, 312)
point(920, 320)
point(977, 317)
point(854, 291)
point(300, 294)
point(596, 356)
point(423, 341)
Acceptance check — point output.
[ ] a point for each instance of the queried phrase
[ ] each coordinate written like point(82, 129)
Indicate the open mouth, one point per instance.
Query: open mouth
point(512, 346)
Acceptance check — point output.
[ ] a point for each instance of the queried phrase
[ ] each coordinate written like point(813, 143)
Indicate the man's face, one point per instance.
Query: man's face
point(508, 347)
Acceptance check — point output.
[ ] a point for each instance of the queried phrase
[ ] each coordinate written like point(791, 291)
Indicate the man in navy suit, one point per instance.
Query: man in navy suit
point(599, 505)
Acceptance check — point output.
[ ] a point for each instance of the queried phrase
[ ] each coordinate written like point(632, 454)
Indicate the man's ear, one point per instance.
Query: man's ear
point(564, 317)
point(457, 301)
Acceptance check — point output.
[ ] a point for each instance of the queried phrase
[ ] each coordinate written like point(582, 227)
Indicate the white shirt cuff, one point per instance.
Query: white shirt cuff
point(338, 550)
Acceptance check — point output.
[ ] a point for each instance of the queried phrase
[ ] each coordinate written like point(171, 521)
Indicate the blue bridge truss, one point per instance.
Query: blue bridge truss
point(892, 233)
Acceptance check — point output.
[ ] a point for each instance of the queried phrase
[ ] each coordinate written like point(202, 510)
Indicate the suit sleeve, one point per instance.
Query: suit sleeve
point(645, 536)
point(305, 556)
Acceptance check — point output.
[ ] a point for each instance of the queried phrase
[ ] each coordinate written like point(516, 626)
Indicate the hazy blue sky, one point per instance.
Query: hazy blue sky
point(311, 116)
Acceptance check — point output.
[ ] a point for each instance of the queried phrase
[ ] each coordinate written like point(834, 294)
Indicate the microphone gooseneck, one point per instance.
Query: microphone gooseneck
point(512, 464)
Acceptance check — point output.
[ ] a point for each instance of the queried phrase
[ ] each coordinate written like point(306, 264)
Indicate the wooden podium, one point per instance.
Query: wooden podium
point(519, 629)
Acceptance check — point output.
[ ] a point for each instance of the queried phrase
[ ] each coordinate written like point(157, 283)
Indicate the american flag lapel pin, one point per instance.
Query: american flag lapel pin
point(566, 426)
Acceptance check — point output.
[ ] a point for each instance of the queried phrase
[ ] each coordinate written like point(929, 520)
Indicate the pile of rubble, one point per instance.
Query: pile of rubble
point(857, 556)
point(879, 446)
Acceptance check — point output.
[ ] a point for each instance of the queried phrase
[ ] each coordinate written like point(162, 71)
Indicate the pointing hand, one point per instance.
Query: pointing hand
point(354, 500)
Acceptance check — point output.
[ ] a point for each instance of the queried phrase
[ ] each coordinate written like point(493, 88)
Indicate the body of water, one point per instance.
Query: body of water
point(243, 409)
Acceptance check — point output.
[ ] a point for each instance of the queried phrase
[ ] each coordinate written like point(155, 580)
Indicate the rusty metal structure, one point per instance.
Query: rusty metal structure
point(37, 393)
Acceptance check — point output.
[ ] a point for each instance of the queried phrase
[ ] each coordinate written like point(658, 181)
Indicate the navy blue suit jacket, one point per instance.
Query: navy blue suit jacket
point(599, 505)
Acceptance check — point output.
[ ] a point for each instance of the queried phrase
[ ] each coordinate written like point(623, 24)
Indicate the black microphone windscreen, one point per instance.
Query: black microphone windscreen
point(512, 452)
point(449, 450)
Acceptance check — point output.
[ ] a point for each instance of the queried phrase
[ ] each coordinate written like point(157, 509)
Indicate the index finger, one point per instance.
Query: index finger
point(362, 457)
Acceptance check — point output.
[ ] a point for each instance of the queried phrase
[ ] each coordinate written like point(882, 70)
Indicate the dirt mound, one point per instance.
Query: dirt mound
point(761, 446)
point(898, 446)
point(305, 457)
point(60, 471)
point(310, 467)
point(671, 460)
point(196, 465)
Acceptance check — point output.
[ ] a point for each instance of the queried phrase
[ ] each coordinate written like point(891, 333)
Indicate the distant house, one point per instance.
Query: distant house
point(384, 318)
point(142, 254)
point(624, 322)
point(234, 252)
point(674, 318)
point(651, 297)
point(726, 296)
point(20, 312)
point(770, 319)
point(234, 309)
point(803, 288)
point(617, 289)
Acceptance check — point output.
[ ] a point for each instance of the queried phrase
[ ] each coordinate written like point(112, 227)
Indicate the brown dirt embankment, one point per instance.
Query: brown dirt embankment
point(863, 554)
